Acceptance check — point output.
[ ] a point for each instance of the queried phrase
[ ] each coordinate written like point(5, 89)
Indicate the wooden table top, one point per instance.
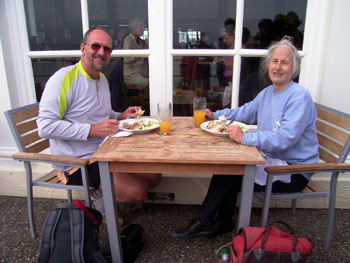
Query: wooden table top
point(185, 145)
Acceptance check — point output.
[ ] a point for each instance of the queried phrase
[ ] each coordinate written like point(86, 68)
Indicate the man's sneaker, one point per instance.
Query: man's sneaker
point(97, 194)
point(99, 205)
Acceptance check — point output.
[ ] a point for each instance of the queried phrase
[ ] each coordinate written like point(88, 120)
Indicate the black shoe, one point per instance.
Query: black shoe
point(219, 228)
point(194, 229)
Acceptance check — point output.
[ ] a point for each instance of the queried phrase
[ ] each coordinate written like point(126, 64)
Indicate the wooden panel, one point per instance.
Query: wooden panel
point(48, 177)
point(327, 157)
point(176, 168)
point(314, 188)
point(333, 132)
point(51, 178)
point(39, 147)
point(31, 138)
point(27, 126)
point(50, 158)
point(304, 168)
point(333, 118)
point(184, 145)
point(332, 146)
point(25, 114)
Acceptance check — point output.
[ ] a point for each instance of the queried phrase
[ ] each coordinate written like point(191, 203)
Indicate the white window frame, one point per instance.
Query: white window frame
point(160, 52)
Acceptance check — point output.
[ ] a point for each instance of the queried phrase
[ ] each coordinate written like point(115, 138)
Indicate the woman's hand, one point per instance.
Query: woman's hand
point(209, 114)
point(129, 112)
point(235, 133)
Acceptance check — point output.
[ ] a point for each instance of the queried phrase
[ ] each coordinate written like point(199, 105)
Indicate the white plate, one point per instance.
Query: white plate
point(204, 127)
point(130, 121)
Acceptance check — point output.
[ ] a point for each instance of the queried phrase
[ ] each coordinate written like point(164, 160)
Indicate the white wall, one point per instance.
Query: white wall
point(336, 78)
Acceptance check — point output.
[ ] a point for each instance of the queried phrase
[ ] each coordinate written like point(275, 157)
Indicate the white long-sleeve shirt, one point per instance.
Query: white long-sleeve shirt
point(70, 103)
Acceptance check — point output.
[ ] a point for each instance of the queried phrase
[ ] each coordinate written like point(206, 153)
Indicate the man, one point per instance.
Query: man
point(75, 114)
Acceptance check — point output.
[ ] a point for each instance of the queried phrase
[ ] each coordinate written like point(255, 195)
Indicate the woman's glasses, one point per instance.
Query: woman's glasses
point(96, 47)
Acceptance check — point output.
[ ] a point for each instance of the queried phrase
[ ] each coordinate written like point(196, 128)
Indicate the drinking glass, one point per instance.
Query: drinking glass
point(164, 116)
point(199, 106)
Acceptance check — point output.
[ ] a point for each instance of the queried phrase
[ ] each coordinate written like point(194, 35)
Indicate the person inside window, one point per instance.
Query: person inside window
point(135, 68)
point(286, 118)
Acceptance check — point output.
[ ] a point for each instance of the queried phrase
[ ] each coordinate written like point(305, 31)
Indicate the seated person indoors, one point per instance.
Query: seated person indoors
point(286, 118)
point(135, 69)
point(75, 114)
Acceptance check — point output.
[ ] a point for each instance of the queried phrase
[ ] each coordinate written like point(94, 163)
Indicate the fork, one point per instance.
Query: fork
point(228, 124)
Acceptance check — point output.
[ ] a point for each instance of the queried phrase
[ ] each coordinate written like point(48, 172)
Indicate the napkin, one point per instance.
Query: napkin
point(119, 133)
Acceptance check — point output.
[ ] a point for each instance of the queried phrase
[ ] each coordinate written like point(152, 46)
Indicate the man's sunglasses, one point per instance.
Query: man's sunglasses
point(96, 47)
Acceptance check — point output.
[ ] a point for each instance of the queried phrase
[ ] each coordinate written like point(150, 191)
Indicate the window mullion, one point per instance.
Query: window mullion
point(84, 15)
point(237, 58)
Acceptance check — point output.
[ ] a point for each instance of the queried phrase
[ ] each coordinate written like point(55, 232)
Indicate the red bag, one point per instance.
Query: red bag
point(268, 244)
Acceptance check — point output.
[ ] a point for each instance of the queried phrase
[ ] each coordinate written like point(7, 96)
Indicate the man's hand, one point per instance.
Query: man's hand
point(129, 112)
point(209, 115)
point(104, 128)
point(235, 133)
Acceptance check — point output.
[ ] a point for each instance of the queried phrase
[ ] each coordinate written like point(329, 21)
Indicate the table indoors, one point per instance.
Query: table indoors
point(186, 150)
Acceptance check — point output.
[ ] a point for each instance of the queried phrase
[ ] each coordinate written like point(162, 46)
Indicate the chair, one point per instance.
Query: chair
point(333, 130)
point(22, 122)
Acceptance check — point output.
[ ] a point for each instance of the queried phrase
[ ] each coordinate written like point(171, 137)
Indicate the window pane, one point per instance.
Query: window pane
point(123, 93)
point(269, 20)
point(196, 76)
point(200, 23)
point(44, 68)
point(128, 83)
point(53, 25)
point(120, 18)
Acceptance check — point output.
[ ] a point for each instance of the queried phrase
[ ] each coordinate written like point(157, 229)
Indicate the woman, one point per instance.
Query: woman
point(286, 119)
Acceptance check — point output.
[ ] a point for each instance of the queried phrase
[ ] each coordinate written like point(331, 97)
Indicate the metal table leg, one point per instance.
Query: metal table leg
point(111, 212)
point(245, 205)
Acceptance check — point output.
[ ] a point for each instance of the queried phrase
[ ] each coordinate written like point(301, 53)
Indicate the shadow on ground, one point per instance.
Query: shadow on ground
point(159, 220)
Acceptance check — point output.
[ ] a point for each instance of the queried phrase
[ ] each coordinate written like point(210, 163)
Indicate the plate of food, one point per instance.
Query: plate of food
point(138, 125)
point(219, 127)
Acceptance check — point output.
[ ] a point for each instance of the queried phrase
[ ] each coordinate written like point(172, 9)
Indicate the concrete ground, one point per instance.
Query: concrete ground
point(159, 220)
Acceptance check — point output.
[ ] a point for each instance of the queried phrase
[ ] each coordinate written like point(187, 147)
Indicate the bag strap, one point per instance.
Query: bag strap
point(46, 239)
point(77, 233)
point(294, 254)
point(291, 230)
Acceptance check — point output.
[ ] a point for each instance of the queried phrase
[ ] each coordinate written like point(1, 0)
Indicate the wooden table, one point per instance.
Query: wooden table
point(186, 150)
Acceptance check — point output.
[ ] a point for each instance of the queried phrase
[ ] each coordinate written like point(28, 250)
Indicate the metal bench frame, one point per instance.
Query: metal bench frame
point(22, 122)
point(333, 131)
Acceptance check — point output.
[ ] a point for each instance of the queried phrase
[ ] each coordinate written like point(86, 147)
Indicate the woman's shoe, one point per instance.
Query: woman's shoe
point(195, 229)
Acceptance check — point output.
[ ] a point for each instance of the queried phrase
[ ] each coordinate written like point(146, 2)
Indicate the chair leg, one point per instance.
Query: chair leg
point(267, 199)
point(85, 180)
point(294, 206)
point(331, 208)
point(30, 208)
point(69, 195)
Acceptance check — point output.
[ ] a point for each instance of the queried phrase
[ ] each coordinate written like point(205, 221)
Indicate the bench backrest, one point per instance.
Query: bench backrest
point(22, 122)
point(333, 131)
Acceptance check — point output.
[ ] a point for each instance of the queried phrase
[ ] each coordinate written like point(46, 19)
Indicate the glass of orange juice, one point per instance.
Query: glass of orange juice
point(164, 116)
point(199, 106)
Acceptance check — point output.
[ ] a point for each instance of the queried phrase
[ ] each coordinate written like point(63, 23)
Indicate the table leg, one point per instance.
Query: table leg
point(111, 212)
point(245, 206)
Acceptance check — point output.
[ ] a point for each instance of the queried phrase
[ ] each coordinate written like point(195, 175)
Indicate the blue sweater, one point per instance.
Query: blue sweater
point(286, 123)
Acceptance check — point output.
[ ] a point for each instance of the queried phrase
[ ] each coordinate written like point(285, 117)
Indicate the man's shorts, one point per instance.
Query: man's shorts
point(93, 175)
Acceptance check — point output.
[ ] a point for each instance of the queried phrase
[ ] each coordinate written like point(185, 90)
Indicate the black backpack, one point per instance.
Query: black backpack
point(70, 234)
point(133, 240)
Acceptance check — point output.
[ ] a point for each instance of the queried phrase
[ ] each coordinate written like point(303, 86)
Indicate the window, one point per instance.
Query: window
point(212, 25)
point(215, 45)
